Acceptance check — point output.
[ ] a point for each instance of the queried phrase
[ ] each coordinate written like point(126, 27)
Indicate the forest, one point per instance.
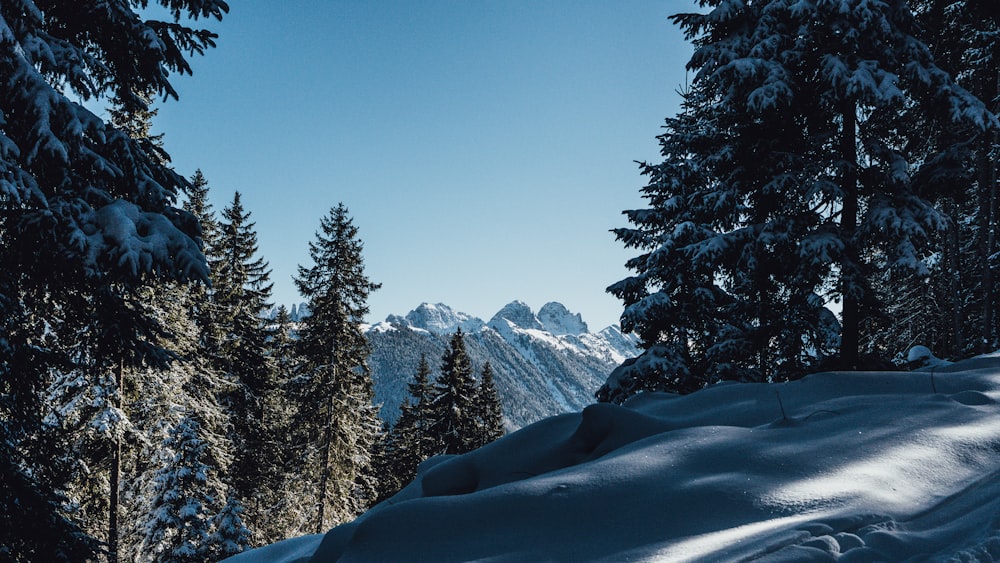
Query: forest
point(150, 410)
point(826, 199)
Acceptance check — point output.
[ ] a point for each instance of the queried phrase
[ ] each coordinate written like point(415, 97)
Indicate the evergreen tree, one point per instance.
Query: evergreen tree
point(203, 310)
point(275, 498)
point(178, 413)
point(180, 527)
point(85, 213)
point(409, 442)
point(802, 190)
point(240, 294)
point(229, 533)
point(452, 409)
point(488, 409)
point(336, 423)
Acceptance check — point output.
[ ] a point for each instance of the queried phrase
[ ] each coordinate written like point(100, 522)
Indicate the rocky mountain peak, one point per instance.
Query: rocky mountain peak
point(557, 319)
point(518, 314)
point(441, 319)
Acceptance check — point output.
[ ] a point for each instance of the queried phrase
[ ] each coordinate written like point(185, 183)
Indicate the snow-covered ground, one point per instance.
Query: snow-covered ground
point(838, 466)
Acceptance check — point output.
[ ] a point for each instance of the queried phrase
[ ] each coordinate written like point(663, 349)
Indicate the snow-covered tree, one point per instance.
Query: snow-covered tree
point(183, 501)
point(336, 424)
point(85, 211)
point(801, 187)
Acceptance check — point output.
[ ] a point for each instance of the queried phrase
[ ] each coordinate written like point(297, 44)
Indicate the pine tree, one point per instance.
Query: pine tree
point(488, 408)
point(802, 190)
point(336, 423)
point(180, 406)
point(85, 214)
point(409, 442)
point(184, 503)
point(240, 294)
point(452, 410)
point(230, 534)
point(203, 309)
point(275, 497)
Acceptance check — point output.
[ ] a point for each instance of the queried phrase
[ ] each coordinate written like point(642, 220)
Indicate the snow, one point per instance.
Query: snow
point(862, 466)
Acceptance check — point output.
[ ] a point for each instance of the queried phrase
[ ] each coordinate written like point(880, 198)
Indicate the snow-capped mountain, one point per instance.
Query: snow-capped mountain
point(544, 364)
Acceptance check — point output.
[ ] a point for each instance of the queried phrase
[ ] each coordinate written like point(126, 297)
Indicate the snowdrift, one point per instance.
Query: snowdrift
point(878, 466)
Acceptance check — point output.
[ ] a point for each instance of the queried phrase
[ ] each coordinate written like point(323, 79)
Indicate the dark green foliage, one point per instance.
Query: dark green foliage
point(409, 442)
point(787, 182)
point(452, 412)
point(336, 426)
point(488, 412)
point(240, 293)
point(70, 184)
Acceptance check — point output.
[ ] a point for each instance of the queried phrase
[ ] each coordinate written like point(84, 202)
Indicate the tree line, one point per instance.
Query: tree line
point(827, 196)
point(147, 410)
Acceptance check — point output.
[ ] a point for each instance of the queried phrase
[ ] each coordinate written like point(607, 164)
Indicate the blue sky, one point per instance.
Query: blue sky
point(484, 148)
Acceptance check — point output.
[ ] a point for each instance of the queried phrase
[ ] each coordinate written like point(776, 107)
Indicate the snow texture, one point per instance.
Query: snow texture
point(869, 466)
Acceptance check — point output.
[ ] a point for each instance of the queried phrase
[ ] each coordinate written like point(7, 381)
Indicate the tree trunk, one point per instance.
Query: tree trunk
point(115, 478)
point(954, 250)
point(989, 175)
point(849, 272)
point(324, 476)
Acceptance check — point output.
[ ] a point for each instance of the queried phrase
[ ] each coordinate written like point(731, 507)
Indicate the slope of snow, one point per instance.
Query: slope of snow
point(879, 466)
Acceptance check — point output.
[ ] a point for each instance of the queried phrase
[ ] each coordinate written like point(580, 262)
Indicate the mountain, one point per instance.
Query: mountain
point(544, 364)
point(296, 312)
point(846, 466)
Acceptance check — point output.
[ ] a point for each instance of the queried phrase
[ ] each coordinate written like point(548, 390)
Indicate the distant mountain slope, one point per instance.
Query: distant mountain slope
point(544, 364)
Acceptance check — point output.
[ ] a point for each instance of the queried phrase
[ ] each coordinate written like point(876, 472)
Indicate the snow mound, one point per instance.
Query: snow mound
point(922, 357)
point(875, 466)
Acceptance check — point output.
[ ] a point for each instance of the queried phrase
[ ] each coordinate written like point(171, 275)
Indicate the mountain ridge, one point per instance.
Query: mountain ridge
point(544, 363)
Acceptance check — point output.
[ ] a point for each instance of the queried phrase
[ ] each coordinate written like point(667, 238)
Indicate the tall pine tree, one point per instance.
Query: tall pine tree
point(336, 424)
point(240, 294)
point(489, 415)
point(409, 442)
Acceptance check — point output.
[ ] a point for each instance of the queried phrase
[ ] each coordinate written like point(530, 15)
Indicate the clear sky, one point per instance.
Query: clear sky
point(483, 148)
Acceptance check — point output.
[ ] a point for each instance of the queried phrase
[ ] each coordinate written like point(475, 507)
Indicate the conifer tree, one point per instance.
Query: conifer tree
point(790, 151)
point(180, 406)
point(240, 294)
point(203, 309)
point(488, 408)
point(337, 425)
point(184, 503)
point(85, 213)
point(409, 442)
point(275, 498)
point(452, 416)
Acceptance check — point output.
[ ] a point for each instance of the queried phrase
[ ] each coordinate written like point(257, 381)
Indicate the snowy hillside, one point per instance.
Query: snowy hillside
point(873, 466)
point(544, 364)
